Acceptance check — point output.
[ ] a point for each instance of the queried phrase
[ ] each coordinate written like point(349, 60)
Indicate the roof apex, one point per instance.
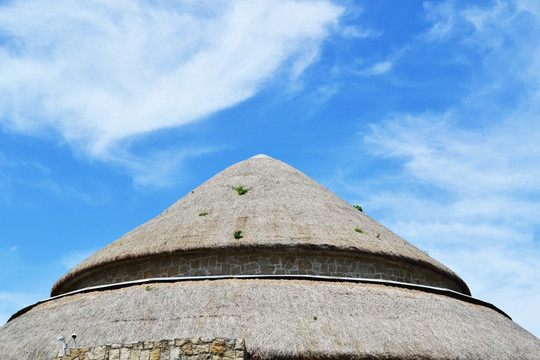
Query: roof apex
point(261, 156)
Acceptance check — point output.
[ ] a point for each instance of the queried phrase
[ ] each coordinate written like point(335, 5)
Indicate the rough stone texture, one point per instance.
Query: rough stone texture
point(266, 262)
point(178, 349)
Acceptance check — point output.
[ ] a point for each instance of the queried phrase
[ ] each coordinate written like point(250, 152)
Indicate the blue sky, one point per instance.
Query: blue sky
point(425, 113)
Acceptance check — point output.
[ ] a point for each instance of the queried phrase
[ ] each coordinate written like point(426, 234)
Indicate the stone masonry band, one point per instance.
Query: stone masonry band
point(185, 349)
point(263, 262)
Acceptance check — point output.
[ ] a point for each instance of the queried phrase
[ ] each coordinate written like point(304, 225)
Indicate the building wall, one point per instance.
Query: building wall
point(264, 262)
point(185, 349)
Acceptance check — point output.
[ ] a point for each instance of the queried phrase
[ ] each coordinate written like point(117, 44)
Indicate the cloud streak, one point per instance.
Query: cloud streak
point(96, 73)
point(479, 158)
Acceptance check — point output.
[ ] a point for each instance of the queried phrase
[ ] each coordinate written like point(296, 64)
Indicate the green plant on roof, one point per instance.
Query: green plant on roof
point(378, 235)
point(358, 207)
point(237, 234)
point(204, 213)
point(314, 318)
point(359, 230)
point(148, 288)
point(240, 189)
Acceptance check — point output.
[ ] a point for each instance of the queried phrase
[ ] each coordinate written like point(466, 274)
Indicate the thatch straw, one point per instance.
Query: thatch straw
point(282, 209)
point(278, 319)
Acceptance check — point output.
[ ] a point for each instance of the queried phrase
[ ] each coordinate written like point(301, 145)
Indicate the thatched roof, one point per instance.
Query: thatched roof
point(278, 319)
point(292, 317)
point(283, 208)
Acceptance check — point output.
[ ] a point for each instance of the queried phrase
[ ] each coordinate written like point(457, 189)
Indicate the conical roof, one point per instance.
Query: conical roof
point(300, 283)
point(282, 210)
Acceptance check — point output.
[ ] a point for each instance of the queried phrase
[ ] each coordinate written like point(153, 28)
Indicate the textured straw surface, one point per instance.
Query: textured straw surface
point(277, 320)
point(282, 209)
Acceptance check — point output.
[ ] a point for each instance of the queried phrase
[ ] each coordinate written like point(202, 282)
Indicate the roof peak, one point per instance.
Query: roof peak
point(261, 156)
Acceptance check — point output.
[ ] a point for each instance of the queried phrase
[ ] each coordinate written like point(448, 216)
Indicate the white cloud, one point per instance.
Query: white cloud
point(70, 260)
point(11, 302)
point(19, 171)
point(355, 32)
point(158, 168)
point(485, 227)
point(379, 68)
point(99, 72)
point(466, 188)
point(485, 221)
point(442, 15)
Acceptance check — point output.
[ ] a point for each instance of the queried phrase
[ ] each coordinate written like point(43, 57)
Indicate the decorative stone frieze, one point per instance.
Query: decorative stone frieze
point(265, 262)
point(177, 349)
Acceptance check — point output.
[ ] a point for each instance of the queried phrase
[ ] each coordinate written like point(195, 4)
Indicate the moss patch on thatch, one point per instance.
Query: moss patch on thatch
point(241, 190)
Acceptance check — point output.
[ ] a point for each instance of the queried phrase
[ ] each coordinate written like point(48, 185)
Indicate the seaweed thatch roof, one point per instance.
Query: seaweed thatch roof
point(285, 317)
point(283, 208)
point(278, 319)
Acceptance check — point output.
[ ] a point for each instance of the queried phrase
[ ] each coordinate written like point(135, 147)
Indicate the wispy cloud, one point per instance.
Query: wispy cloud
point(18, 171)
point(96, 73)
point(72, 259)
point(159, 168)
point(379, 68)
point(355, 32)
point(375, 69)
point(465, 187)
point(10, 302)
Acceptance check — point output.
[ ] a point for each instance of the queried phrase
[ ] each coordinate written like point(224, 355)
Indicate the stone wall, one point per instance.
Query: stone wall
point(264, 262)
point(184, 349)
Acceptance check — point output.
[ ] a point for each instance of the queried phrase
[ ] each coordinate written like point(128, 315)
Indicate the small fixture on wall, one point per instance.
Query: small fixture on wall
point(63, 340)
point(65, 344)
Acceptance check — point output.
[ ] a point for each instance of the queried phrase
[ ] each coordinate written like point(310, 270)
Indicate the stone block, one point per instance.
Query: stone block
point(218, 347)
point(135, 354)
point(114, 354)
point(229, 354)
point(240, 345)
point(304, 264)
point(100, 352)
point(175, 353)
point(201, 349)
point(145, 355)
point(252, 268)
point(267, 269)
point(124, 353)
point(155, 354)
point(187, 348)
point(180, 342)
